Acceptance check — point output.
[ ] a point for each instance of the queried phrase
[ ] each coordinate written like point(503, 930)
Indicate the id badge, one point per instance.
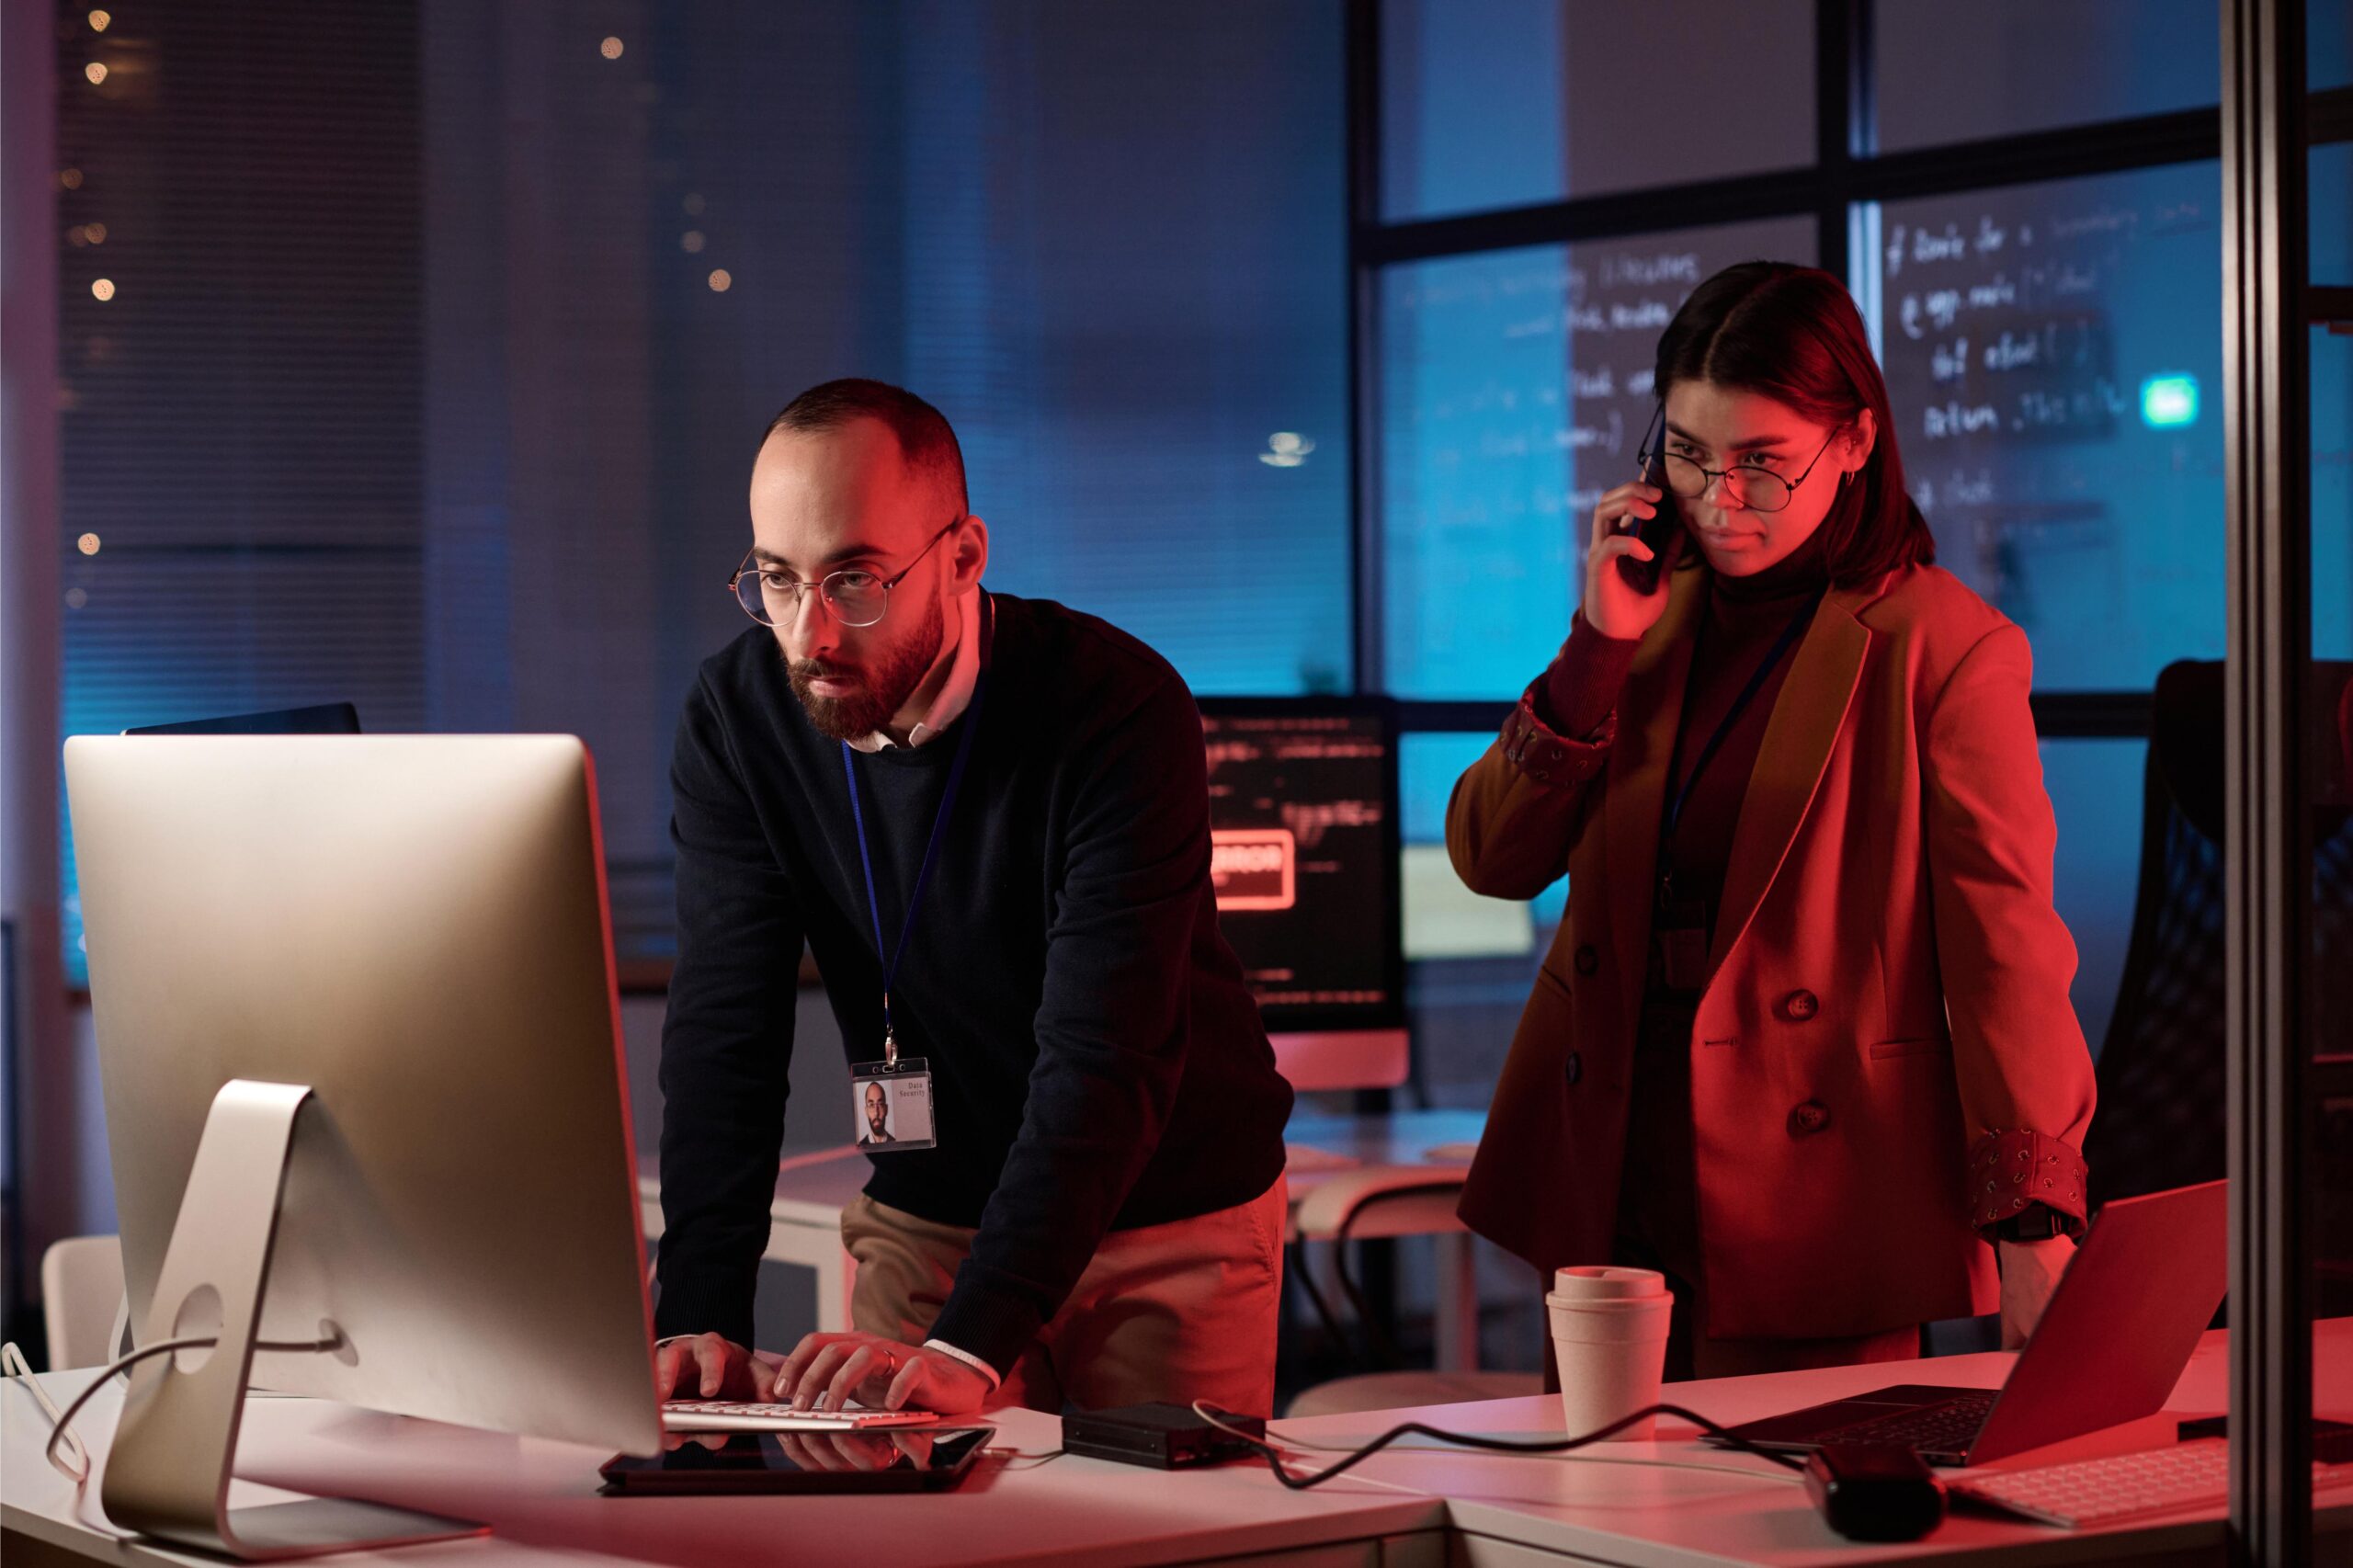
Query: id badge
point(892, 1105)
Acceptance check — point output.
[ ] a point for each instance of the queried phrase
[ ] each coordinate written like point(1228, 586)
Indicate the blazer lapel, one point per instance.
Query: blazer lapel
point(1798, 739)
point(1636, 796)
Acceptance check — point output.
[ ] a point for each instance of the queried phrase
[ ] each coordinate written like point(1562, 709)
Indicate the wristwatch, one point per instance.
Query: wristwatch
point(2035, 1222)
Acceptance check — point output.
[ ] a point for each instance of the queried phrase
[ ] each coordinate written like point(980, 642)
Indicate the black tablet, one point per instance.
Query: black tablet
point(928, 1458)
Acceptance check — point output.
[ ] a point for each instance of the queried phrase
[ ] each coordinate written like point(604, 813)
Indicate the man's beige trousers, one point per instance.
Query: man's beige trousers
point(1179, 1312)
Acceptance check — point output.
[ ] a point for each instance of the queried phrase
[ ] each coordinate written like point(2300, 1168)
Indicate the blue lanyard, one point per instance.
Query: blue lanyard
point(1747, 695)
point(922, 874)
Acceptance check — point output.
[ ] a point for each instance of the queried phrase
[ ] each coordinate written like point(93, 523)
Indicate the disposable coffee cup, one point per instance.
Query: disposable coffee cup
point(1609, 1328)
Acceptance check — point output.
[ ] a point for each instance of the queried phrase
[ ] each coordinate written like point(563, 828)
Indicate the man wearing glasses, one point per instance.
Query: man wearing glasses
point(988, 819)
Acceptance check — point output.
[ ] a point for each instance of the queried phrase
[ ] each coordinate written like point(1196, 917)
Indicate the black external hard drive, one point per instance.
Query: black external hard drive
point(1166, 1436)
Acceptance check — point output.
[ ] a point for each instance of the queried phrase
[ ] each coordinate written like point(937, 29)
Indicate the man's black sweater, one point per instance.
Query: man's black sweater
point(1098, 1062)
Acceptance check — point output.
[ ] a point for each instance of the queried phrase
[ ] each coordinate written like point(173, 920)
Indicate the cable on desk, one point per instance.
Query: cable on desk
point(1775, 1476)
point(61, 1425)
point(1530, 1447)
point(14, 1366)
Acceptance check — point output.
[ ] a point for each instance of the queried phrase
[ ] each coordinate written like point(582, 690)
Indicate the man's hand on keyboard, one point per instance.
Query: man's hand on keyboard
point(825, 1371)
point(705, 1365)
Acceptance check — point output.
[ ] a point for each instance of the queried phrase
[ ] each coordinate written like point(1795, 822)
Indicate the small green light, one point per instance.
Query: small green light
point(2168, 401)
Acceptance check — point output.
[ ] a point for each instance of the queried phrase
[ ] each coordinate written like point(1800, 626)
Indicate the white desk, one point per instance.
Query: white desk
point(1399, 1510)
point(1522, 1513)
point(805, 1218)
point(541, 1501)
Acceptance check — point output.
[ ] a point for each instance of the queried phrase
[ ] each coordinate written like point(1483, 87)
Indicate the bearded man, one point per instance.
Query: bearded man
point(988, 818)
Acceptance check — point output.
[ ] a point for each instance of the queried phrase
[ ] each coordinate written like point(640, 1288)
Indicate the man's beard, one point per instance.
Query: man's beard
point(886, 691)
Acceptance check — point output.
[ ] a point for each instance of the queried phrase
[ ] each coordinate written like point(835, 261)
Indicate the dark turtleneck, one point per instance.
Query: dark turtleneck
point(1744, 617)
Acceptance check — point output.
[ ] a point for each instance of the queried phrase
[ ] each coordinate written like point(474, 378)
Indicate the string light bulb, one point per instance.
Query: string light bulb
point(88, 544)
point(612, 48)
point(102, 288)
point(99, 21)
point(720, 280)
point(95, 71)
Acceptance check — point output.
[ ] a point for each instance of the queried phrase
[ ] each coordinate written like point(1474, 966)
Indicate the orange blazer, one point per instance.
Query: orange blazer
point(1886, 1019)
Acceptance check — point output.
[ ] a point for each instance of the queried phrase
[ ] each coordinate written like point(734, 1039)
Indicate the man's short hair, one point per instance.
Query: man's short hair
point(926, 441)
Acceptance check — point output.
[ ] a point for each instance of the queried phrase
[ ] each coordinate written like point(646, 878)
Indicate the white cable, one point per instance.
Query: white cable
point(15, 1367)
point(61, 1425)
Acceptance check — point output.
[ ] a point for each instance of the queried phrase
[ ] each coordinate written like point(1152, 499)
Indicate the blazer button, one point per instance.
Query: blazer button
point(1800, 1006)
point(1573, 1069)
point(1808, 1119)
point(1587, 960)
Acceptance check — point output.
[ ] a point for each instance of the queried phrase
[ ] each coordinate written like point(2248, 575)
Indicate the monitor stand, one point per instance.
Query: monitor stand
point(167, 1472)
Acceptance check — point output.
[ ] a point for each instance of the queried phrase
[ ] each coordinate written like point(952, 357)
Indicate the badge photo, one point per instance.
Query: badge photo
point(892, 1106)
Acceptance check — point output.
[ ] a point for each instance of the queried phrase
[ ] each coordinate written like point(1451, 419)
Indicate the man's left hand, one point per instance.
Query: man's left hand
point(2030, 1271)
point(826, 1370)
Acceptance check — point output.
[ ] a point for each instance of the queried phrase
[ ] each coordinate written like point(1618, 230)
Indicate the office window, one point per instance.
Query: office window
point(2330, 175)
point(1515, 387)
point(240, 370)
point(2328, 44)
point(436, 342)
point(2096, 787)
point(2002, 67)
point(1487, 104)
point(2332, 419)
point(2053, 356)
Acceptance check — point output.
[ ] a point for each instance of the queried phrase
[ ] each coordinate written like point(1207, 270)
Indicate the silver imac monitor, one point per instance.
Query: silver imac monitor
point(359, 1042)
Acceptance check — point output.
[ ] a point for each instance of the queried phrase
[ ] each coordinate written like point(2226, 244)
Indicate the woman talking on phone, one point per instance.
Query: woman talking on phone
point(1804, 1040)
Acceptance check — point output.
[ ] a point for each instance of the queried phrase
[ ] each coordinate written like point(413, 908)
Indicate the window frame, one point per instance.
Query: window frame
point(1848, 173)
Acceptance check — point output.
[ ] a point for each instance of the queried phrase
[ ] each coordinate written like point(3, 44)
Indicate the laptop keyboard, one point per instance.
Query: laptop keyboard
point(1945, 1428)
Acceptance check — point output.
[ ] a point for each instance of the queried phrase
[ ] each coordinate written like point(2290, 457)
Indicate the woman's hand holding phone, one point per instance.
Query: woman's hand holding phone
point(1614, 607)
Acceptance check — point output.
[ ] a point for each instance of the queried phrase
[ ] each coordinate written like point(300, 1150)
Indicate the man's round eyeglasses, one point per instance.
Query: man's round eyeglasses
point(1746, 485)
point(853, 596)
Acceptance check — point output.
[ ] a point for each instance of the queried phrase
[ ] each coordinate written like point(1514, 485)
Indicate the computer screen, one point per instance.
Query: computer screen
point(360, 1051)
point(1304, 822)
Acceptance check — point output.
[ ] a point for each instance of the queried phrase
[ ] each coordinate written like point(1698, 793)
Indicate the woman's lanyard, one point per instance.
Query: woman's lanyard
point(922, 874)
point(1781, 645)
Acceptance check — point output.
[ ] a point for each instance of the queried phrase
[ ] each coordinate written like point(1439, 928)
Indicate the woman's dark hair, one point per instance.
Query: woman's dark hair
point(1792, 334)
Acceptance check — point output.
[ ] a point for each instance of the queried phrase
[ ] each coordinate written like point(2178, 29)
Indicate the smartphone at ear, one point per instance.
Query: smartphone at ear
point(1661, 530)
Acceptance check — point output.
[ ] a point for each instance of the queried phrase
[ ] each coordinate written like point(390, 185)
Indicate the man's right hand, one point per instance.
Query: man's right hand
point(706, 1366)
point(1612, 606)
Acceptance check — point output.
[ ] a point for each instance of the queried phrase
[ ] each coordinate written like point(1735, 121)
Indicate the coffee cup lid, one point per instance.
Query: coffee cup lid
point(1606, 1282)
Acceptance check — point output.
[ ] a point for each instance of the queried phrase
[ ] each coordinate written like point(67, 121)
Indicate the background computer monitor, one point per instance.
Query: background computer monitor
point(416, 928)
point(320, 719)
point(1303, 821)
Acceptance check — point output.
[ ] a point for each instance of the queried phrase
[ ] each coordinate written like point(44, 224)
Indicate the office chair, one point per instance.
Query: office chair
point(2163, 1070)
point(81, 1292)
point(2160, 1121)
point(1394, 1201)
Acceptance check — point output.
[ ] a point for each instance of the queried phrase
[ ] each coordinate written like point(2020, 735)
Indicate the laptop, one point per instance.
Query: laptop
point(2112, 1342)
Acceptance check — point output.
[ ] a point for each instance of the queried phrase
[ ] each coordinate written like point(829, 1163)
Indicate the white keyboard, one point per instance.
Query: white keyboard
point(2085, 1493)
point(726, 1416)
